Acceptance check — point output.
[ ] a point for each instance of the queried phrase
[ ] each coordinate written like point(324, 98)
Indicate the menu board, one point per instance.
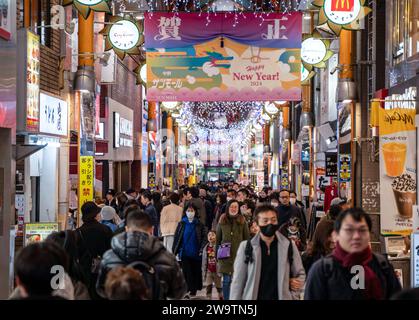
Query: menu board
point(37, 232)
point(33, 81)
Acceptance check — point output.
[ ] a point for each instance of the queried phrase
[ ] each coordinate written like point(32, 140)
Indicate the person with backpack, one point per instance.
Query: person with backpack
point(139, 249)
point(268, 266)
point(190, 240)
point(93, 239)
point(352, 271)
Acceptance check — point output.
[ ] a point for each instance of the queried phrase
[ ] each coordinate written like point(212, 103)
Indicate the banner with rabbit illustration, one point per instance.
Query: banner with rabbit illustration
point(223, 65)
point(397, 170)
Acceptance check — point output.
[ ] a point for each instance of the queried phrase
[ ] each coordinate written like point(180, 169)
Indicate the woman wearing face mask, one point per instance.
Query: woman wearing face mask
point(274, 199)
point(190, 240)
point(231, 231)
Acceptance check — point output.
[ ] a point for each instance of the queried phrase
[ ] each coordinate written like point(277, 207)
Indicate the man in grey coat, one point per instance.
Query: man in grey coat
point(269, 266)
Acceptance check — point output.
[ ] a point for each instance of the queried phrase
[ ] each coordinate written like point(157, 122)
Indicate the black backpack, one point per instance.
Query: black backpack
point(248, 252)
point(151, 278)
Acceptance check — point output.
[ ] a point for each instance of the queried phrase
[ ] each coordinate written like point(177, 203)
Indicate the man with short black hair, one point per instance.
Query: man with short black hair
point(34, 270)
point(146, 201)
point(192, 196)
point(242, 195)
point(136, 244)
point(353, 271)
point(269, 266)
point(231, 195)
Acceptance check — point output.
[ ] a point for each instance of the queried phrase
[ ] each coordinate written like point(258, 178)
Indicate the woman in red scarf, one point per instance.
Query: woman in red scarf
point(352, 271)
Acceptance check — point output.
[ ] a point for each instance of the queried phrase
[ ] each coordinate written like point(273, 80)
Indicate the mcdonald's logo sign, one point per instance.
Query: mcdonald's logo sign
point(343, 5)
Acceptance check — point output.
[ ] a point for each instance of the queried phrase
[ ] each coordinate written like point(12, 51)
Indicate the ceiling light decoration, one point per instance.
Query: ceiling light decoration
point(84, 7)
point(124, 35)
point(341, 14)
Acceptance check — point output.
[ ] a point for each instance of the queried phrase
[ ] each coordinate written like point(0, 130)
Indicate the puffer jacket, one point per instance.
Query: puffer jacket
point(129, 247)
point(234, 231)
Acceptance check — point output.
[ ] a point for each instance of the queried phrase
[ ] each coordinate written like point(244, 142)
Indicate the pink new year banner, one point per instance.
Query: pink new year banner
point(189, 59)
point(274, 30)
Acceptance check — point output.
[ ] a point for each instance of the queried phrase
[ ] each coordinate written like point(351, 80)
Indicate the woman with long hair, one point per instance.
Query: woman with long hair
point(321, 246)
point(231, 231)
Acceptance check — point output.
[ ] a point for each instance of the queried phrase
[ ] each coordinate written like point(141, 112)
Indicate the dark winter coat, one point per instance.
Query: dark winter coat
point(323, 284)
point(201, 233)
point(129, 247)
point(234, 231)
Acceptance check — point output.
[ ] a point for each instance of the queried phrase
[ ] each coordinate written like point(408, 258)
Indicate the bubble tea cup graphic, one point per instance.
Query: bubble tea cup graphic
point(394, 154)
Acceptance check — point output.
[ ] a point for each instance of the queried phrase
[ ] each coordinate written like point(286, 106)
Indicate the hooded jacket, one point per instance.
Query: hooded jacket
point(129, 247)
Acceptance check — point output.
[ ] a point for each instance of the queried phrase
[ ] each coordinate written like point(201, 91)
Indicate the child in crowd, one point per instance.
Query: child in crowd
point(209, 267)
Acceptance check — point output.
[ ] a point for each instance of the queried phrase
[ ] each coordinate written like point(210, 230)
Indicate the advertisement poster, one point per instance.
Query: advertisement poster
point(20, 210)
point(258, 61)
point(86, 179)
point(5, 20)
point(331, 164)
point(322, 181)
point(37, 232)
point(33, 81)
point(397, 170)
point(344, 167)
point(284, 179)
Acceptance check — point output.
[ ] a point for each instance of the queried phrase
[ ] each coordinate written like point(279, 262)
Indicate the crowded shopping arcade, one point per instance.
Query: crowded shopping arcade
point(209, 150)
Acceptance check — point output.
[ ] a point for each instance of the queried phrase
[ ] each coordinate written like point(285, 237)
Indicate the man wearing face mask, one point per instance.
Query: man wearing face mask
point(291, 220)
point(269, 266)
point(231, 195)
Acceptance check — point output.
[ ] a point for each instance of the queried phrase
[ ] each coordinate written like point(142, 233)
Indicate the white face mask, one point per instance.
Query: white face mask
point(293, 201)
point(228, 199)
point(190, 214)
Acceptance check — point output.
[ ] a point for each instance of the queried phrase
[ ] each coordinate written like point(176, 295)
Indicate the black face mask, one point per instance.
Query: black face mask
point(269, 230)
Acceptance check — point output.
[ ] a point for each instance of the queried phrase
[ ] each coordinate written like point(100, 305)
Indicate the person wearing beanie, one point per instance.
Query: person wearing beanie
point(93, 239)
point(107, 215)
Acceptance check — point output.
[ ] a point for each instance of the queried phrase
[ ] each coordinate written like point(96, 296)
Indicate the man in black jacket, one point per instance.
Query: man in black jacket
point(291, 220)
point(138, 244)
point(150, 209)
point(352, 271)
point(93, 239)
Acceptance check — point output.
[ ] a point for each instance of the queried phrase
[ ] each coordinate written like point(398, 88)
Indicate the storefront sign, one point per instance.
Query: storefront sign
point(37, 232)
point(331, 164)
point(315, 51)
point(397, 170)
point(20, 210)
point(123, 131)
point(86, 179)
point(33, 81)
point(407, 100)
point(414, 251)
point(53, 116)
point(123, 35)
point(341, 14)
point(5, 19)
point(345, 168)
point(260, 61)
point(85, 6)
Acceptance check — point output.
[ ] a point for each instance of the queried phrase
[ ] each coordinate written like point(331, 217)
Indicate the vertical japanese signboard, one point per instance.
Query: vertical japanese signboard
point(33, 81)
point(397, 169)
point(86, 179)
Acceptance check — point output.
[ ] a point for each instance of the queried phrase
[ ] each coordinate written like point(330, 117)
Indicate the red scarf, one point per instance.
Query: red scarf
point(348, 260)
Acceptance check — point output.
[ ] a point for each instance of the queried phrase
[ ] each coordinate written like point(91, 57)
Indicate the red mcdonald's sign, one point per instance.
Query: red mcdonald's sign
point(343, 5)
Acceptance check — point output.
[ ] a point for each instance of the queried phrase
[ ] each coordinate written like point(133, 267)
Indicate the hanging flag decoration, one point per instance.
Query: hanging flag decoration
point(341, 14)
point(315, 51)
point(141, 74)
point(306, 75)
point(124, 36)
point(85, 6)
